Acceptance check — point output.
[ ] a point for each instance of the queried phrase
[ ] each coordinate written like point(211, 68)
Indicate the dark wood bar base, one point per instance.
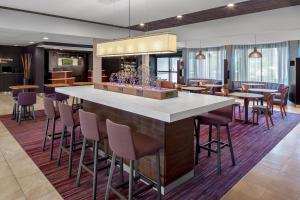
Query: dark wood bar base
point(177, 156)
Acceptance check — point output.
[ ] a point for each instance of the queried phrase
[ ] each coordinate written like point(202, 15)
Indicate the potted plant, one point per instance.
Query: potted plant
point(26, 62)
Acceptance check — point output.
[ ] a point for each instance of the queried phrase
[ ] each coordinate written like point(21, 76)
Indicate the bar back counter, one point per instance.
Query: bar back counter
point(169, 120)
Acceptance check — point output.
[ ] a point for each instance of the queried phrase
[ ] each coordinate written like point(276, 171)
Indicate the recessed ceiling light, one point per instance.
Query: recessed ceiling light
point(230, 5)
point(142, 24)
point(179, 16)
point(61, 49)
point(45, 38)
point(31, 42)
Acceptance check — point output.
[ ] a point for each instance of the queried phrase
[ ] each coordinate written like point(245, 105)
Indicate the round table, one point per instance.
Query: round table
point(194, 89)
point(254, 84)
point(212, 86)
point(246, 97)
point(54, 85)
point(262, 90)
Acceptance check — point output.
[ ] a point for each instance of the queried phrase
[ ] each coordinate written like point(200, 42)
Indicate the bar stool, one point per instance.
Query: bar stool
point(131, 146)
point(15, 94)
point(218, 118)
point(62, 98)
point(93, 131)
point(52, 114)
point(25, 105)
point(69, 120)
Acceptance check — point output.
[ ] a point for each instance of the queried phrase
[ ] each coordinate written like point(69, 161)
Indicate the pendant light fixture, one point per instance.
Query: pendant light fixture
point(200, 55)
point(157, 43)
point(255, 53)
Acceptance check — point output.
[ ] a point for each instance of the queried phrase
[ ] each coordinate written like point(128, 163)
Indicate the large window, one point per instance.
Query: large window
point(210, 68)
point(272, 67)
point(167, 68)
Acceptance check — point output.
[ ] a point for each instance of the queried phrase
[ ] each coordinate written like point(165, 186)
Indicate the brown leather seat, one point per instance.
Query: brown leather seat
point(211, 118)
point(145, 145)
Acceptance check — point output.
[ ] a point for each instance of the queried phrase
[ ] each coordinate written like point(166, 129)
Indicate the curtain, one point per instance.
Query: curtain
point(272, 67)
point(210, 68)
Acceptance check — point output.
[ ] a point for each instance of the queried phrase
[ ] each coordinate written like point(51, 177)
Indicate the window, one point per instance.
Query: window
point(167, 68)
point(272, 67)
point(210, 68)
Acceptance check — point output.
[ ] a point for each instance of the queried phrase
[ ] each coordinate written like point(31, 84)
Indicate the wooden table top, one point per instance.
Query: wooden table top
point(262, 90)
point(23, 87)
point(82, 83)
point(54, 85)
point(193, 88)
point(212, 85)
point(246, 95)
point(253, 84)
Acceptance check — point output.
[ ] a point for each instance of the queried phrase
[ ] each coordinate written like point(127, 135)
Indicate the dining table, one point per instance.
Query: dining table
point(247, 97)
point(82, 83)
point(193, 89)
point(54, 85)
point(254, 84)
point(213, 87)
point(262, 90)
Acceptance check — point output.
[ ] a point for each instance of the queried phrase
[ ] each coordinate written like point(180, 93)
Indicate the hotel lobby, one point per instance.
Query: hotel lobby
point(139, 99)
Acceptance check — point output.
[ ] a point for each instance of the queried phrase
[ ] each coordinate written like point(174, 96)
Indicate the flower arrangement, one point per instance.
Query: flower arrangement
point(26, 62)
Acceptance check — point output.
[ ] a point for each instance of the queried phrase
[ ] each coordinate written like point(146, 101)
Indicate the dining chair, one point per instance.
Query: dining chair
point(281, 101)
point(25, 105)
point(266, 110)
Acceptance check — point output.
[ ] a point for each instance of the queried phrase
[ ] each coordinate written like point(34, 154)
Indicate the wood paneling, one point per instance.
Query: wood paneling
point(177, 139)
point(242, 8)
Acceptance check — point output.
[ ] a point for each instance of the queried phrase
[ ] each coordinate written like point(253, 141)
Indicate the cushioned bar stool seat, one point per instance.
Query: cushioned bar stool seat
point(52, 114)
point(25, 106)
point(217, 118)
point(95, 132)
point(132, 146)
point(69, 120)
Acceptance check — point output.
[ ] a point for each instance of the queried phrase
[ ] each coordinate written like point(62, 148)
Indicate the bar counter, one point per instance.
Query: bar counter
point(170, 121)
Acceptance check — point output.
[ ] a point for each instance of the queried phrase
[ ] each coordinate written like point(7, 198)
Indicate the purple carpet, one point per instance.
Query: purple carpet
point(251, 144)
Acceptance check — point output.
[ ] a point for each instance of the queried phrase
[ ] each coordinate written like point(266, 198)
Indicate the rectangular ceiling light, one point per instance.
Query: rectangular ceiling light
point(147, 44)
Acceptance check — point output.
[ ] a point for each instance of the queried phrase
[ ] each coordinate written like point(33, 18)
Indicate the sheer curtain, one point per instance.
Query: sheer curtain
point(272, 67)
point(210, 68)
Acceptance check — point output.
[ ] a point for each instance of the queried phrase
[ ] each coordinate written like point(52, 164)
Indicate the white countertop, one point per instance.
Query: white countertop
point(169, 110)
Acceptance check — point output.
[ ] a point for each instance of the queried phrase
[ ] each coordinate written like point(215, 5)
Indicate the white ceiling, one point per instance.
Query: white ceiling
point(116, 11)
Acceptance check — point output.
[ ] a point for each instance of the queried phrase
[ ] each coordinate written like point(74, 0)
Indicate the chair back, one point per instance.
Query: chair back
point(120, 140)
point(66, 115)
point(226, 111)
point(167, 84)
point(225, 90)
point(49, 108)
point(61, 97)
point(89, 125)
point(15, 93)
point(245, 88)
point(26, 98)
point(269, 100)
point(49, 90)
point(284, 94)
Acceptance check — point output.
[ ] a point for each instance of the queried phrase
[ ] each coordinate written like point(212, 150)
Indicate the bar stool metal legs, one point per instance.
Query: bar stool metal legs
point(51, 137)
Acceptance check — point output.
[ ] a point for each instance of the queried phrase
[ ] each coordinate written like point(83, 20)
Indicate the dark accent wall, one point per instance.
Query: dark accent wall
point(294, 79)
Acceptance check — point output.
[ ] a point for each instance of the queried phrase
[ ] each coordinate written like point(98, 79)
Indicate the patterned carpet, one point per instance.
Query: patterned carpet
point(251, 144)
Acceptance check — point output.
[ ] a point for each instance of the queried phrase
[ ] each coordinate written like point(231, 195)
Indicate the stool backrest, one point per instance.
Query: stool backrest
point(61, 97)
point(66, 115)
point(26, 98)
point(89, 125)
point(49, 108)
point(226, 111)
point(120, 140)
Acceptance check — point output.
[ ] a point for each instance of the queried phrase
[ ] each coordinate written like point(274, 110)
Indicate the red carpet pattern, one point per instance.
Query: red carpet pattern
point(251, 144)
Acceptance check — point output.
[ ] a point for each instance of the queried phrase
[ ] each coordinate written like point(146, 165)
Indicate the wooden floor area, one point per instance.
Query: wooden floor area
point(276, 176)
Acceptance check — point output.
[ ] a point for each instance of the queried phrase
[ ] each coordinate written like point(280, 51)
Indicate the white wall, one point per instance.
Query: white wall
point(270, 26)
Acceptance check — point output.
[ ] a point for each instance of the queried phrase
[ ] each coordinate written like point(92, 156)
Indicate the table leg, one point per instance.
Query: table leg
point(246, 105)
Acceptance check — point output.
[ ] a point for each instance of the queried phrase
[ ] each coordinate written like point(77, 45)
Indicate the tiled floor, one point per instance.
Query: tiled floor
point(276, 177)
point(20, 178)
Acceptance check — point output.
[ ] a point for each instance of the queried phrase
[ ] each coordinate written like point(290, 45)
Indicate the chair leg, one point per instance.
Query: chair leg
point(81, 162)
point(14, 111)
point(270, 116)
point(267, 121)
point(20, 115)
point(209, 139)
point(95, 173)
point(32, 112)
point(52, 139)
point(71, 153)
point(234, 112)
point(106, 153)
point(197, 149)
point(121, 170)
point(253, 113)
point(230, 144)
point(281, 112)
point(219, 149)
point(111, 171)
point(283, 108)
point(130, 190)
point(240, 113)
point(46, 134)
point(61, 145)
point(158, 186)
